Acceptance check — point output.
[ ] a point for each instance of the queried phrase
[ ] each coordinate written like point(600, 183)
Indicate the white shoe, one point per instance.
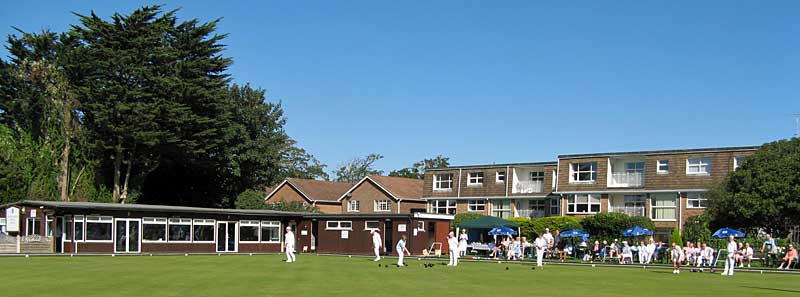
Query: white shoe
point(376, 259)
point(748, 265)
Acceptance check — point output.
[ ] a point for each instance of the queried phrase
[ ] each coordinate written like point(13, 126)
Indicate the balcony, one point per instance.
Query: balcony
point(528, 187)
point(627, 179)
point(628, 210)
point(529, 213)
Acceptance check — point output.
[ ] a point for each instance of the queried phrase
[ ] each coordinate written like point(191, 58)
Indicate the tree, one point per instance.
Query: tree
point(357, 169)
point(417, 170)
point(696, 229)
point(675, 237)
point(612, 224)
point(251, 199)
point(763, 192)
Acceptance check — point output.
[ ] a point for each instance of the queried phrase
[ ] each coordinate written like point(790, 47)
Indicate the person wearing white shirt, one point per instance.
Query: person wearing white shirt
point(730, 260)
point(289, 245)
point(401, 251)
point(540, 243)
point(462, 242)
point(650, 250)
point(452, 245)
point(706, 256)
point(747, 255)
point(376, 244)
point(549, 237)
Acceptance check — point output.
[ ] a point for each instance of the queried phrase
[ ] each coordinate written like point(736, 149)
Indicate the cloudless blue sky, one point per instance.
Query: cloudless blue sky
point(500, 81)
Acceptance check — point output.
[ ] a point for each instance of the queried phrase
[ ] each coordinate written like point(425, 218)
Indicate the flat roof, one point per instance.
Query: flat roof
point(662, 152)
point(495, 165)
point(150, 207)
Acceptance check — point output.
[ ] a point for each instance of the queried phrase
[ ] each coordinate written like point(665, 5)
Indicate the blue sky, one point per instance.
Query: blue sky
point(496, 82)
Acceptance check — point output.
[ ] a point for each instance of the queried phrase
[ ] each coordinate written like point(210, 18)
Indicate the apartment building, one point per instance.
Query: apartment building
point(502, 190)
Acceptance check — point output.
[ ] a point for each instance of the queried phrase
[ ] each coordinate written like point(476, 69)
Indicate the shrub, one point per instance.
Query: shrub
point(641, 221)
point(555, 223)
point(610, 225)
point(463, 217)
point(676, 237)
point(525, 226)
point(696, 229)
point(251, 199)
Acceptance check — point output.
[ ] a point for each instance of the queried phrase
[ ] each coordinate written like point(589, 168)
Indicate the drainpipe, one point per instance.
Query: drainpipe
point(680, 212)
point(508, 178)
point(398, 205)
point(458, 193)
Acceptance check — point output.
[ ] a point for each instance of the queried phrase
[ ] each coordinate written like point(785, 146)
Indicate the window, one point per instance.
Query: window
point(475, 178)
point(421, 226)
point(443, 182)
point(98, 228)
point(583, 203)
point(79, 231)
point(536, 205)
point(634, 167)
point(204, 230)
point(249, 231)
point(372, 225)
point(154, 229)
point(500, 177)
point(663, 206)
point(3, 225)
point(737, 162)
point(583, 172)
point(180, 229)
point(33, 226)
point(353, 206)
point(633, 200)
point(443, 207)
point(698, 166)
point(476, 205)
point(270, 231)
point(662, 166)
point(339, 225)
point(537, 176)
point(555, 207)
point(696, 200)
point(48, 226)
point(383, 205)
point(501, 208)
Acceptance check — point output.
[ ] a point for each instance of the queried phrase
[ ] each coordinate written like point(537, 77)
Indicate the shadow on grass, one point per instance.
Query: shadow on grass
point(773, 289)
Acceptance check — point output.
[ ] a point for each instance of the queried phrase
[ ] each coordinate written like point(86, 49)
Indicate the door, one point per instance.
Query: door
point(58, 236)
point(127, 238)
point(388, 230)
point(226, 237)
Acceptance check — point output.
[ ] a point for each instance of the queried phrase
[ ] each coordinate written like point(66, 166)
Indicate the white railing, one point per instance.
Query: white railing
point(628, 210)
point(529, 213)
point(627, 179)
point(528, 187)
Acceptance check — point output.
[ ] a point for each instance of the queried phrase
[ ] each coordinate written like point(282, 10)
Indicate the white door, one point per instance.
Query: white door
point(127, 235)
point(227, 240)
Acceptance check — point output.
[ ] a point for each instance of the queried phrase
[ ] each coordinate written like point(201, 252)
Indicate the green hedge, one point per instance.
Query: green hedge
point(609, 225)
point(556, 223)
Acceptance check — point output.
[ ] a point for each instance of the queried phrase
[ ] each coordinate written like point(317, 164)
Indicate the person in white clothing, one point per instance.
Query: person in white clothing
point(706, 256)
point(288, 245)
point(452, 245)
point(548, 237)
point(376, 244)
point(747, 255)
point(462, 242)
point(650, 250)
point(730, 260)
point(541, 244)
point(401, 251)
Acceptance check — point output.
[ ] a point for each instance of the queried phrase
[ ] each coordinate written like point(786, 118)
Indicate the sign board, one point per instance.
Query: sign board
point(33, 213)
point(304, 232)
point(401, 227)
point(345, 234)
point(12, 219)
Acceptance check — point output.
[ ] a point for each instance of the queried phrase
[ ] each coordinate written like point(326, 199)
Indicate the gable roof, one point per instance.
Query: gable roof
point(314, 190)
point(397, 187)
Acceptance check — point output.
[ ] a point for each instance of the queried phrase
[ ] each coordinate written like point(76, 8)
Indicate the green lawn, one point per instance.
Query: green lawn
point(267, 275)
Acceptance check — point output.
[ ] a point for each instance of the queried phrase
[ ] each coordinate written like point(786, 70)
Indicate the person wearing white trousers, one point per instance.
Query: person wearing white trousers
point(401, 251)
point(289, 245)
point(452, 245)
point(540, 243)
point(376, 244)
point(730, 259)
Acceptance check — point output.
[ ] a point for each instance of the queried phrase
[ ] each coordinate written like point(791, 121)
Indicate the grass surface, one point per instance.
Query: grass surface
point(268, 275)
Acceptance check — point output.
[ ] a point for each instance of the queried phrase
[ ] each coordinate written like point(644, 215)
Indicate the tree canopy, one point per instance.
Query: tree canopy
point(358, 168)
point(417, 170)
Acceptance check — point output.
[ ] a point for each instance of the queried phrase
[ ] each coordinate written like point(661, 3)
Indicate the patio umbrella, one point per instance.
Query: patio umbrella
point(502, 230)
point(725, 232)
point(636, 231)
point(575, 234)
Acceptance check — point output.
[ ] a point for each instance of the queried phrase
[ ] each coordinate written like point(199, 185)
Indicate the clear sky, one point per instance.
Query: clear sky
point(501, 81)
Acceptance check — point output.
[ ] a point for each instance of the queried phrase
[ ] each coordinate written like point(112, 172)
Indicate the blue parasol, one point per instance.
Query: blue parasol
point(725, 232)
point(502, 230)
point(637, 231)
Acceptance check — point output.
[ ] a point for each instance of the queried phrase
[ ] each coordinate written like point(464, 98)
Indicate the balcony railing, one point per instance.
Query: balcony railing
point(627, 179)
point(529, 213)
point(628, 210)
point(528, 187)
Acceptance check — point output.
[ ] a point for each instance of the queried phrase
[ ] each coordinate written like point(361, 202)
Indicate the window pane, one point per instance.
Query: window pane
point(180, 232)
point(248, 233)
point(270, 234)
point(98, 231)
point(203, 232)
point(154, 232)
point(78, 230)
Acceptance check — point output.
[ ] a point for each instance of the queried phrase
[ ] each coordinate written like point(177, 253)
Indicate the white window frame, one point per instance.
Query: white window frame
point(367, 228)
point(500, 177)
point(536, 176)
point(700, 163)
point(48, 226)
point(98, 220)
point(555, 207)
point(634, 167)
point(589, 203)
point(662, 163)
point(32, 221)
point(79, 219)
point(476, 205)
point(575, 172)
point(435, 207)
point(204, 222)
point(440, 180)
point(737, 162)
point(421, 226)
point(250, 223)
point(3, 225)
point(273, 225)
point(699, 197)
point(475, 179)
point(496, 210)
point(353, 206)
point(180, 222)
point(155, 221)
point(338, 225)
point(382, 205)
point(654, 207)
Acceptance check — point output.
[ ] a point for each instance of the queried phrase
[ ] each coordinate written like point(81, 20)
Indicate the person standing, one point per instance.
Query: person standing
point(541, 244)
point(730, 259)
point(770, 249)
point(401, 250)
point(462, 243)
point(650, 250)
point(288, 245)
point(376, 244)
point(452, 245)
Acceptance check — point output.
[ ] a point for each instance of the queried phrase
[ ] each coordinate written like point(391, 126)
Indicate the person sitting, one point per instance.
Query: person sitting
point(565, 252)
point(650, 251)
point(495, 250)
point(790, 258)
point(596, 250)
point(688, 253)
point(514, 250)
point(769, 249)
point(627, 253)
point(613, 251)
point(642, 252)
point(747, 255)
point(706, 257)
